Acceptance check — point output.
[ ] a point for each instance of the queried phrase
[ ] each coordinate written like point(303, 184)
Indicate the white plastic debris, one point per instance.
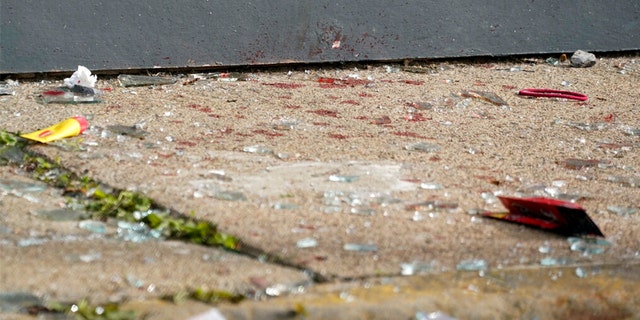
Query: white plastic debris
point(211, 314)
point(82, 77)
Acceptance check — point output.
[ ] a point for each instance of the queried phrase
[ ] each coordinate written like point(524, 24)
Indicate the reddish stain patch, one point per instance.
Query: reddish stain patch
point(333, 97)
point(435, 158)
point(165, 155)
point(53, 93)
point(338, 136)
point(186, 143)
point(284, 97)
point(408, 134)
point(353, 102)
point(226, 130)
point(324, 124)
point(239, 116)
point(199, 108)
point(326, 113)
point(267, 133)
point(608, 118)
point(361, 118)
point(113, 107)
point(365, 95)
point(413, 82)
point(213, 115)
point(508, 87)
point(341, 83)
point(176, 121)
point(415, 117)
point(283, 85)
point(292, 107)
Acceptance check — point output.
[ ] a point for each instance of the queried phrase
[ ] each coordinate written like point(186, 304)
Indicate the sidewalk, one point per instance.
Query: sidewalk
point(345, 179)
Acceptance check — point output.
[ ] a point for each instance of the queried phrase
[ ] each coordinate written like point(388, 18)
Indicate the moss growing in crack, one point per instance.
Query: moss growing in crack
point(84, 310)
point(207, 296)
point(121, 205)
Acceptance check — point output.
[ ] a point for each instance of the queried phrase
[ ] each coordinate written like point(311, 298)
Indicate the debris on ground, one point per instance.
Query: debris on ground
point(65, 129)
point(583, 59)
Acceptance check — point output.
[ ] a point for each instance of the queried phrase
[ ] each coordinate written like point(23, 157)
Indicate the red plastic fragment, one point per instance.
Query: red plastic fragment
point(413, 82)
point(550, 214)
point(53, 93)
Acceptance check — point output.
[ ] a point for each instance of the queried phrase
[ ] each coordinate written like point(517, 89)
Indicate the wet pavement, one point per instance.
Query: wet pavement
point(357, 189)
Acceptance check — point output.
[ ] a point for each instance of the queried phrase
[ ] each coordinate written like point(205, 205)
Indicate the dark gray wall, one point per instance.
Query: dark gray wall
point(44, 36)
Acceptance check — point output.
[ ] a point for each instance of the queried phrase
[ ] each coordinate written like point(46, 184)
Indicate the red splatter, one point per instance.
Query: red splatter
point(408, 134)
point(176, 121)
point(361, 117)
point(199, 108)
point(282, 85)
point(186, 143)
point(365, 95)
point(508, 87)
point(326, 80)
point(284, 97)
point(213, 115)
point(239, 116)
point(341, 83)
point(414, 82)
point(267, 133)
point(416, 117)
point(292, 107)
point(353, 102)
point(326, 113)
point(608, 118)
point(226, 130)
point(338, 136)
point(324, 124)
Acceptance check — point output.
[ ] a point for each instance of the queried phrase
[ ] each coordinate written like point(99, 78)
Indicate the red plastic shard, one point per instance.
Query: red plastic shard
point(558, 216)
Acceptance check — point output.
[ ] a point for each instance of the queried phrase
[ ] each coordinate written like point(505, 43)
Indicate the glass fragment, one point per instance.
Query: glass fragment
point(423, 146)
point(484, 96)
point(360, 247)
point(127, 80)
point(472, 265)
point(588, 246)
point(307, 243)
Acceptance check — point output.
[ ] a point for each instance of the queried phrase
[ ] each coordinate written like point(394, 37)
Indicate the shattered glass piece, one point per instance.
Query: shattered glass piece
point(137, 232)
point(423, 146)
point(341, 178)
point(588, 246)
point(551, 261)
point(632, 182)
point(257, 149)
point(307, 243)
point(360, 247)
point(622, 211)
point(631, 131)
point(229, 195)
point(583, 126)
point(5, 91)
point(127, 80)
point(472, 265)
point(413, 268)
point(552, 61)
point(22, 186)
point(546, 248)
point(93, 226)
point(31, 242)
point(130, 131)
point(14, 302)
point(430, 186)
point(285, 206)
point(284, 125)
point(62, 214)
point(484, 96)
point(363, 211)
point(581, 273)
point(433, 316)
point(577, 164)
point(69, 96)
point(134, 281)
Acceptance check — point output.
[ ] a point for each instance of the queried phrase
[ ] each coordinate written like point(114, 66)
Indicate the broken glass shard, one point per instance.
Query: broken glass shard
point(137, 232)
point(257, 149)
point(307, 243)
point(632, 182)
point(423, 146)
point(413, 268)
point(93, 226)
point(472, 265)
point(74, 95)
point(14, 302)
point(581, 273)
point(433, 316)
point(577, 164)
point(229, 195)
point(588, 246)
point(622, 211)
point(130, 131)
point(341, 178)
point(551, 261)
point(484, 96)
point(360, 247)
point(430, 186)
point(22, 186)
point(285, 206)
point(631, 131)
point(127, 80)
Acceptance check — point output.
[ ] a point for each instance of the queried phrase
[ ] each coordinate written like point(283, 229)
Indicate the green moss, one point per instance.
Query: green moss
point(84, 310)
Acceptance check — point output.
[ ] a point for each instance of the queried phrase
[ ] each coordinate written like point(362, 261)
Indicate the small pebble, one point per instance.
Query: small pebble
point(583, 59)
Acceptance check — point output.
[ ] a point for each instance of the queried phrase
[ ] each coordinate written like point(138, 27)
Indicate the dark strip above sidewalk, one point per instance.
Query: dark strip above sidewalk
point(49, 36)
